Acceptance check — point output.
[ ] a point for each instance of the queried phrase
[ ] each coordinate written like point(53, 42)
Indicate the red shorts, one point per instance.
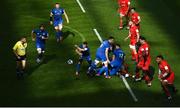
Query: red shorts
point(170, 78)
point(133, 42)
point(144, 65)
point(123, 11)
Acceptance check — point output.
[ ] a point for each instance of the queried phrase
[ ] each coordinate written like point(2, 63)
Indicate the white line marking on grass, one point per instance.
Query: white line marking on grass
point(79, 33)
point(80, 5)
point(98, 35)
point(123, 78)
point(128, 87)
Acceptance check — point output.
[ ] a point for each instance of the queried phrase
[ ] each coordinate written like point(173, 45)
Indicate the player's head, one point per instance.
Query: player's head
point(42, 27)
point(159, 58)
point(142, 40)
point(111, 40)
point(57, 5)
point(85, 44)
point(132, 10)
point(118, 46)
point(23, 39)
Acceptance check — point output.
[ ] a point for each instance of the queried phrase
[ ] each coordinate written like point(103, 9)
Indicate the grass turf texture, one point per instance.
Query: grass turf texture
point(53, 82)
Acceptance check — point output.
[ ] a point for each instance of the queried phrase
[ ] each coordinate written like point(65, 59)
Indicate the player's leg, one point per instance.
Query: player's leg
point(78, 66)
point(89, 61)
point(121, 21)
point(40, 54)
point(137, 70)
point(23, 66)
point(18, 68)
point(133, 51)
point(60, 31)
point(164, 85)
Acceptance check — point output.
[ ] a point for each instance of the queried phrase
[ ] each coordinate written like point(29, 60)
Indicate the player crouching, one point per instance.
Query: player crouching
point(19, 50)
point(166, 76)
point(84, 52)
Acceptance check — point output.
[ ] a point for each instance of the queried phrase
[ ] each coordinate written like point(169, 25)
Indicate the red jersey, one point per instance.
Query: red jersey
point(133, 32)
point(164, 68)
point(124, 3)
point(144, 52)
point(135, 18)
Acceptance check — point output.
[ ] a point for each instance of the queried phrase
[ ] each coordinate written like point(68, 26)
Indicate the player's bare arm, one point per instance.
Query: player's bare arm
point(66, 16)
point(51, 18)
point(107, 55)
point(33, 36)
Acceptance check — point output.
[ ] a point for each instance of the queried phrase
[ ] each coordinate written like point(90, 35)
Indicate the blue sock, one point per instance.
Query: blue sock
point(58, 34)
point(113, 71)
point(102, 70)
point(106, 71)
point(78, 67)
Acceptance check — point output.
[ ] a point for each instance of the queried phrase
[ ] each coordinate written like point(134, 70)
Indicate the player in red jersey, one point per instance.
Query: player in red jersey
point(143, 62)
point(166, 76)
point(134, 38)
point(123, 10)
point(134, 17)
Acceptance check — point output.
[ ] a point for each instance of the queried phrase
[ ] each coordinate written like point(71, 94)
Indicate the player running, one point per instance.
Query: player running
point(84, 52)
point(123, 11)
point(143, 62)
point(134, 38)
point(102, 55)
point(166, 76)
point(19, 50)
point(117, 60)
point(135, 18)
point(40, 36)
point(57, 20)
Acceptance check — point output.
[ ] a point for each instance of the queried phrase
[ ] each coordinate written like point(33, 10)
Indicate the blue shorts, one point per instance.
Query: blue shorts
point(100, 56)
point(87, 58)
point(57, 22)
point(42, 46)
point(116, 64)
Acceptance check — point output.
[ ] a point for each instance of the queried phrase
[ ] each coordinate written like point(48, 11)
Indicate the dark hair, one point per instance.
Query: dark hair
point(57, 3)
point(142, 38)
point(160, 56)
point(133, 8)
point(23, 38)
point(111, 37)
point(118, 45)
point(85, 42)
point(41, 25)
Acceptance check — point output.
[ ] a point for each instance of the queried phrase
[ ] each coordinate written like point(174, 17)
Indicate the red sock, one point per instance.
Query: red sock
point(166, 91)
point(121, 23)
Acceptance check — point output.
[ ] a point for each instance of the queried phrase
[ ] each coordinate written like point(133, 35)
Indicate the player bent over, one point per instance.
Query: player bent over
point(57, 20)
point(117, 61)
point(134, 38)
point(143, 62)
point(19, 50)
point(102, 55)
point(40, 36)
point(123, 11)
point(84, 52)
point(166, 76)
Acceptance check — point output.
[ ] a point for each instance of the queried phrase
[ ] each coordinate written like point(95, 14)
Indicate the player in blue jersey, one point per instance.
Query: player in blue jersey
point(117, 60)
point(102, 55)
point(84, 52)
point(40, 36)
point(57, 20)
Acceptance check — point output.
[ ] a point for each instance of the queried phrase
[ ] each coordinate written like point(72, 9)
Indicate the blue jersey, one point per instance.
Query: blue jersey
point(104, 46)
point(86, 52)
point(57, 14)
point(119, 55)
point(39, 34)
point(100, 53)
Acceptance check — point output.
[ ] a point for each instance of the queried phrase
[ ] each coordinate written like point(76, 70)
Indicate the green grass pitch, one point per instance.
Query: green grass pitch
point(53, 82)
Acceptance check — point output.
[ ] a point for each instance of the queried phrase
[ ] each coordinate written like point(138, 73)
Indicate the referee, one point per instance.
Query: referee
point(19, 50)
